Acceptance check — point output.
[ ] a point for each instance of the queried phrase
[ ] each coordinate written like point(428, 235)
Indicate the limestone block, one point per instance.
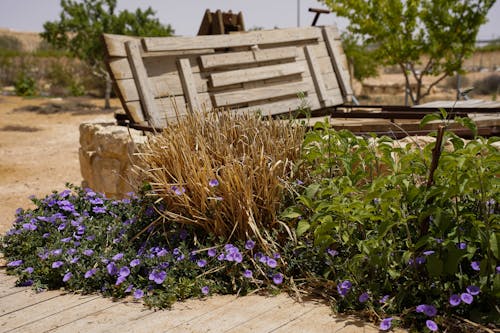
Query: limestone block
point(107, 174)
point(86, 170)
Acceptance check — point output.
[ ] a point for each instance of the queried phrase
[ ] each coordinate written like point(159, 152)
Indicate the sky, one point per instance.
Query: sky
point(185, 15)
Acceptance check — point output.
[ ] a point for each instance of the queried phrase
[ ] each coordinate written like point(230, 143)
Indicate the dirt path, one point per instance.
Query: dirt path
point(39, 147)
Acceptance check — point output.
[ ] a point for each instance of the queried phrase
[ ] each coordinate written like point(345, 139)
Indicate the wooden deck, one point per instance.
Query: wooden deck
point(23, 310)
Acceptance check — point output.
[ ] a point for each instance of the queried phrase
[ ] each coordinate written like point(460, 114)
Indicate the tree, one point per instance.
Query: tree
point(423, 37)
point(360, 57)
point(82, 23)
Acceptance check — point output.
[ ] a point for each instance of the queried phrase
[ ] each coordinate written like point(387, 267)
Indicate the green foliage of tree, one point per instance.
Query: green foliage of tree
point(422, 37)
point(82, 23)
point(360, 56)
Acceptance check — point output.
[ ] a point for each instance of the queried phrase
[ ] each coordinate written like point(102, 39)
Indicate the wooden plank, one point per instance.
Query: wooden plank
point(49, 309)
point(188, 84)
point(255, 74)
point(156, 44)
point(64, 319)
point(143, 85)
point(334, 47)
point(280, 107)
point(246, 57)
point(162, 86)
point(115, 44)
point(317, 78)
point(279, 316)
point(181, 312)
point(249, 95)
point(23, 300)
point(231, 315)
point(106, 319)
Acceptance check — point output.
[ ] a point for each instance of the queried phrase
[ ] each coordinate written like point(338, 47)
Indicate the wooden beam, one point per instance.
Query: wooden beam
point(143, 85)
point(255, 74)
point(188, 84)
point(290, 35)
point(319, 83)
point(262, 93)
point(334, 47)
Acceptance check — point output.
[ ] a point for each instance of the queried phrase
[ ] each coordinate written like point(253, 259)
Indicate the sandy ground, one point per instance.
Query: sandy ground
point(39, 151)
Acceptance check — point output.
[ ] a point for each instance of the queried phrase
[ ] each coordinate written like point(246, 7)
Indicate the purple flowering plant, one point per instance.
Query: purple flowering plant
point(101, 250)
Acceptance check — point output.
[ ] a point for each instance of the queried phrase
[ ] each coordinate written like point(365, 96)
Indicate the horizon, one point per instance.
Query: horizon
point(185, 17)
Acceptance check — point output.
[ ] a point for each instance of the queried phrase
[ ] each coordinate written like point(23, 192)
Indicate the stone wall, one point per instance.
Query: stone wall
point(106, 158)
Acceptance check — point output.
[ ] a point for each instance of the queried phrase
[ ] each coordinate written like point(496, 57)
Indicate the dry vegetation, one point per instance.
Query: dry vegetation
point(233, 184)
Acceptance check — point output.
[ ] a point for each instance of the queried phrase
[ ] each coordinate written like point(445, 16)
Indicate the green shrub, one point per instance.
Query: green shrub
point(398, 242)
point(25, 85)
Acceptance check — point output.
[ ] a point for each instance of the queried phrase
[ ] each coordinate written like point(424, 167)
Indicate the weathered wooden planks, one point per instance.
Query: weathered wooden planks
point(290, 35)
point(264, 69)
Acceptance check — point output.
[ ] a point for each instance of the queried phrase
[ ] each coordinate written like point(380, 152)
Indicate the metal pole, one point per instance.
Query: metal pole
point(298, 13)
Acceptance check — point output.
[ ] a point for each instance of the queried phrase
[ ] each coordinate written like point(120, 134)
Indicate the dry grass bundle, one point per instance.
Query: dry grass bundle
point(222, 171)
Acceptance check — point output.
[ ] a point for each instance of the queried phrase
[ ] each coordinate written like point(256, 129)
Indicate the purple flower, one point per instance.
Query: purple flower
point(363, 297)
point(205, 290)
point(466, 298)
point(221, 257)
point(124, 271)
point(431, 325)
point(386, 324)
point(88, 252)
point(475, 266)
point(439, 240)
point(65, 240)
point(67, 276)
point(46, 235)
point(74, 260)
point(117, 256)
point(238, 257)
point(498, 269)
point(213, 183)
point(29, 226)
point(178, 190)
point(135, 262)
point(428, 310)
point(428, 253)
point(454, 300)
point(182, 234)
point(278, 278)
point(61, 226)
point(248, 274)
point(120, 280)
point(462, 246)
point(271, 262)
point(250, 244)
point(96, 201)
point(29, 270)
point(162, 253)
point(138, 294)
point(56, 252)
point(111, 267)
point(98, 210)
point(277, 255)
point(201, 263)
point(344, 287)
point(89, 273)
point(57, 264)
point(157, 276)
point(129, 288)
point(211, 252)
point(15, 263)
point(473, 290)
point(332, 252)
point(420, 260)
point(384, 299)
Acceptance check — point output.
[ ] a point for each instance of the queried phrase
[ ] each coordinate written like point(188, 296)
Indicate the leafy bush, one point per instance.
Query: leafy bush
point(25, 85)
point(391, 241)
point(83, 241)
point(223, 172)
point(488, 85)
